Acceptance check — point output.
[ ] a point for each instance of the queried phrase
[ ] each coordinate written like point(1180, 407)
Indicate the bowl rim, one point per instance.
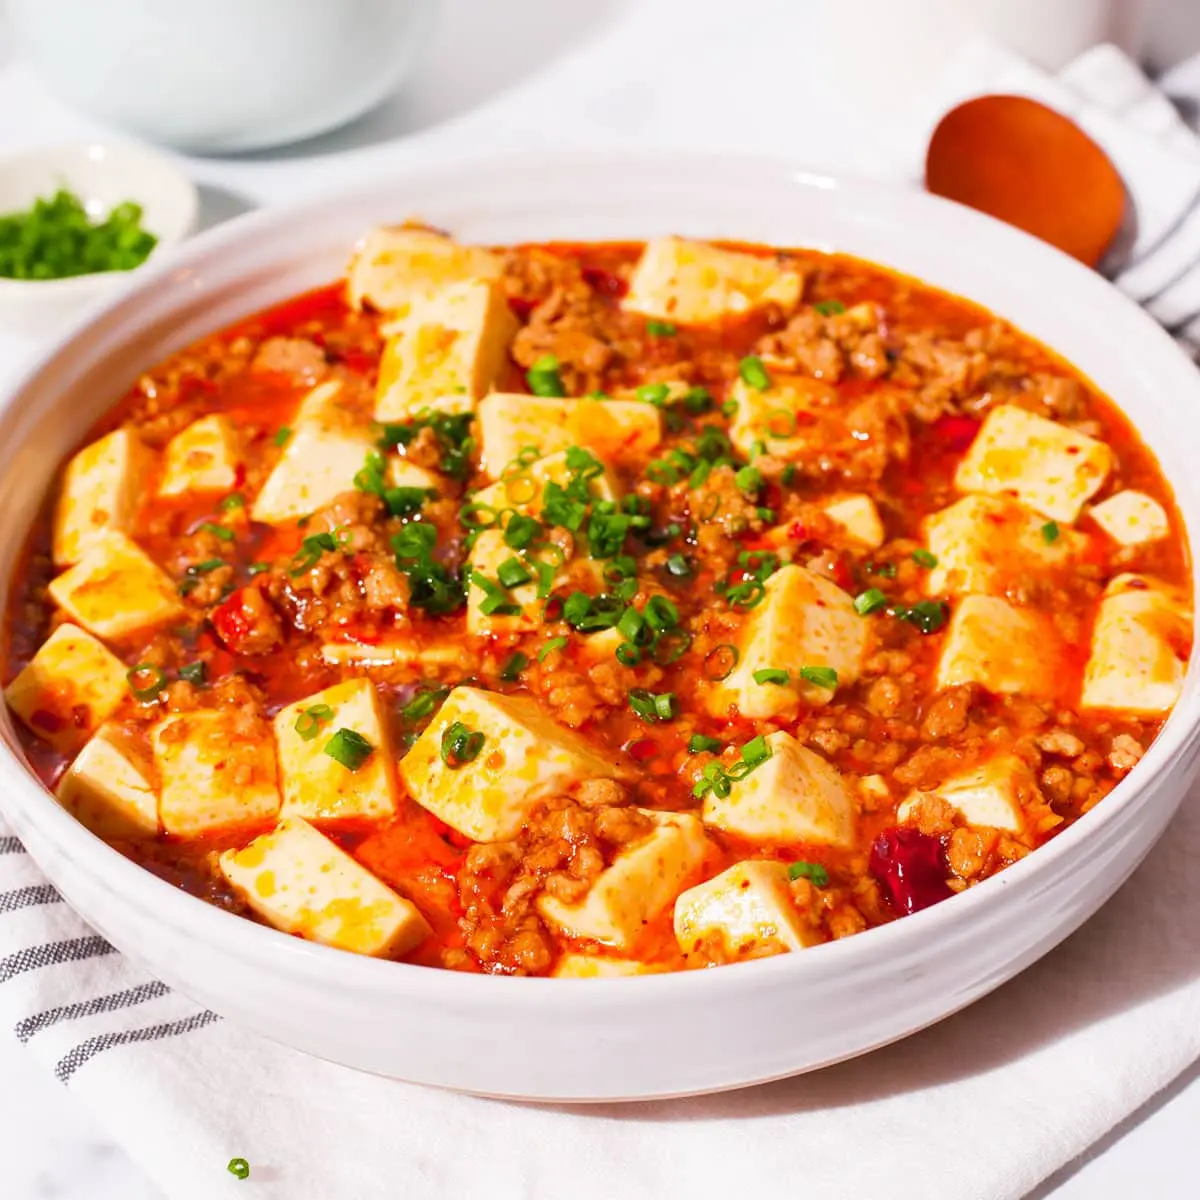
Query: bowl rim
point(186, 202)
point(183, 914)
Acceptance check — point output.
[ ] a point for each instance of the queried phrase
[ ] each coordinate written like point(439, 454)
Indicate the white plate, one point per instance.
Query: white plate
point(656, 1035)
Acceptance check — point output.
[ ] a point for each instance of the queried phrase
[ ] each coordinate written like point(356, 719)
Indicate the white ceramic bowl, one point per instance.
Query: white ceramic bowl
point(222, 75)
point(656, 1035)
point(102, 175)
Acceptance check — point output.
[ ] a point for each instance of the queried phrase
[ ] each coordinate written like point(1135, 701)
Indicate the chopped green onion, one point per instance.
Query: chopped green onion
point(654, 393)
point(553, 644)
point(520, 531)
point(927, 615)
point(700, 743)
point(460, 745)
point(628, 654)
point(282, 435)
point(195, 673)
point(720, 661)
point(349, 748)
point(822, 677)
point(513, 668)
point(239, 1168)
point(754, 373)
point(311, 549)
point(729, 408)
point(631, 624)
point(309, 722)
point(661, 614)
point(661, 329)
point(679, 567)
point(924, 558)
point(218, 531)
point(830, 308)
point(423, 704)
point(809, 870)
point(543, 377)
point(756, 752)
point(872, 600)
point(145, 680)
point(770, 675)
point(749, 479)
point(257, 568)
point(233, 500)
point(512, 573)
point(652, 706)
point(1050, 532)
point(884, 570)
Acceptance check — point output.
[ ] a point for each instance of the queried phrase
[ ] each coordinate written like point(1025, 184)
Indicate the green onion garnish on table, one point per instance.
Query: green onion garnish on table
point(56, 239)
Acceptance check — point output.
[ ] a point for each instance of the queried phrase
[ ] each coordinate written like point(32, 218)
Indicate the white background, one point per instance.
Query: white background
point(485, 49)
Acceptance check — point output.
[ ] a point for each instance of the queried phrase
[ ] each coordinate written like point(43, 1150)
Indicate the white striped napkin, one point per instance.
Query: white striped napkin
point(982, 1107)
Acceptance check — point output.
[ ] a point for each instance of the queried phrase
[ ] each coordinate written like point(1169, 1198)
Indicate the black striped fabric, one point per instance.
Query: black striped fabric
point(85, 1051)
point(35, 957)
point(27, 897)
point(90, 1008)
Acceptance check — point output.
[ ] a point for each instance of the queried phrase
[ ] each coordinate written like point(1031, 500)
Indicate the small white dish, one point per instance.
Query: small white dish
point(102, 175)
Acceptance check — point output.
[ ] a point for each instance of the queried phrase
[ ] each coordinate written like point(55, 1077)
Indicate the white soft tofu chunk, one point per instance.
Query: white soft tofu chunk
point(795, 796)
point(524, 489)
point(859, 518)
point(805, 620)
point(1141, 643)
point(789, 418)
point(116, 590)
point(110, 787)
point(327, 448)
point(70, 687)
point(300, 882)
point(1132, 518)
point(695, 283)
point(595, 966)
point(214, 772)
point(315, 785)
point(526, 756)
point(399, 472)
point(1052, 469)
point(616, 430)
point(204, 457)
point(99, 494)
point(453, 342)
point(986, 544)
point(395, 264)
point(745, 912)
point(1002, 648)
point(390, 650)
point(640, 884)
point(989, 794)
point(487, 555)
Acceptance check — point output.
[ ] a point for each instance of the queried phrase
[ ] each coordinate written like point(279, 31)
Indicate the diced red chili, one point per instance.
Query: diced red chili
point(911, 868)
point(605, 282)
point(231, 621)
point(957, 432)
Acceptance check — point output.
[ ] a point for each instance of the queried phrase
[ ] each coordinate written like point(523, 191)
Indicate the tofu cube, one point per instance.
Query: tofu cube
point(399, 472)
point(116, 590)
point(453, 342)
point(487, 555)
point(640, 884)
point(1043, 464)
point(694, 283)
point(526, 756)
point(99, 494)
point(110, 787)
point(595, 966)
point(795, 796)
point(805, 620)
point(987, 544)
point(1002, 648)
point(859, 518)
point(327, 448)
point(1141, 643)
point(300, 882)
point(791, 417)
point(524, 489)
point(745, 912)
point(395, 264)
point(204, 457)
point(1132, 518)
point(616, 430)
point(395, 650)
point(318, 787)
point(989, 794)
point(215, 773)
point(70, 687)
